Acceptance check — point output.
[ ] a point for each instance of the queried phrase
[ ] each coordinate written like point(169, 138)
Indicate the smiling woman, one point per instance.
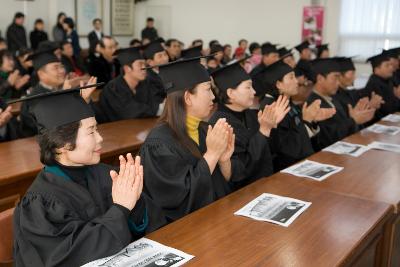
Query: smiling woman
point(75, 201)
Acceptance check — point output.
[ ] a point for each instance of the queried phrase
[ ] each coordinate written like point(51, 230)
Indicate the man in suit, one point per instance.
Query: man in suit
point(95, 36)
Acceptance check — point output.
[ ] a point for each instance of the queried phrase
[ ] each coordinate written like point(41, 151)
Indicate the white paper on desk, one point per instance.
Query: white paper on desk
point(392, 118)
point(344, 148)
point(313, 170)
point(385, 146)
point(274, 209)
point(144, 253)
point(383, 129)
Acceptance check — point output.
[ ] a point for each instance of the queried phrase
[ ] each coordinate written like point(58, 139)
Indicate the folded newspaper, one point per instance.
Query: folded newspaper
point(383, 129)
point(274, 209)
point(345, 148)
point(392, 118)
point(144, 253)
point(385, 146)
point(313, 170)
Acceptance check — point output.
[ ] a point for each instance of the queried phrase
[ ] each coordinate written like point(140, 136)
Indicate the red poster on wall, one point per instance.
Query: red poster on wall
point(313, 21)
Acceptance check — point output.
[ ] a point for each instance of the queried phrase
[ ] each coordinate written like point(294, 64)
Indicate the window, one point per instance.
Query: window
point(367, 26)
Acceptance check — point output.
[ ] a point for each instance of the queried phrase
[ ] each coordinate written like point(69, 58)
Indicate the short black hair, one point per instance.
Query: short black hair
point(96, 20)
point(170, 41)
point(52, 139)
point(70, 22)
point(242, 40)
point(212, 43)
point(38, 21)
point(149, 19)
point(19, 15)
point(254, 46)
point(135, 41)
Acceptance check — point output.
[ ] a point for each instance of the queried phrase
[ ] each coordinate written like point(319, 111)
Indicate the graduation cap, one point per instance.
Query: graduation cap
point(325, 65)
point(230, 75)
point(128, 55)
point(54, 109)
point(321, 48)
point(346, 64)
point(194, 51)
point(152, 48)
point(268, 48)
point(302, 46)
point(391, 53)
point(284, 52)
point(42, 58)
point(48, 45)
point(276, 71)
point(182, 74)
point(378, 59)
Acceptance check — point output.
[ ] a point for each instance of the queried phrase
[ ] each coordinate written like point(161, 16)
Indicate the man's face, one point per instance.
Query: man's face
point(98, 25)
point(108, 50)
point(20, 21)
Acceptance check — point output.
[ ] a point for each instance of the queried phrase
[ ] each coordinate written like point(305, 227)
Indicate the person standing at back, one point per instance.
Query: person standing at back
point(16, 34)
point(149, 32)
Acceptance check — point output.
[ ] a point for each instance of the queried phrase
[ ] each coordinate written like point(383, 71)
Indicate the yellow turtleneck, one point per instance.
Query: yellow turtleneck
point(192, 126)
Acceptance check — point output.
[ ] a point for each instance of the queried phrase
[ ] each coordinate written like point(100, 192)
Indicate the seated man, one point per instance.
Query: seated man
point(130, 94)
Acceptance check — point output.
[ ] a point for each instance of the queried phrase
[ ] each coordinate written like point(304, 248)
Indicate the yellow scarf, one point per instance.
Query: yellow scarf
point(192, 126)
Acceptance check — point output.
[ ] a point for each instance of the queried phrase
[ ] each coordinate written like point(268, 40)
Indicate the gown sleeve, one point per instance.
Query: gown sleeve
point(172, 182)
point(48, 233)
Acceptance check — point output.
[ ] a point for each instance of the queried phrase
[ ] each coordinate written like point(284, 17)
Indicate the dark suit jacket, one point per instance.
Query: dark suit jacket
point(93, 40)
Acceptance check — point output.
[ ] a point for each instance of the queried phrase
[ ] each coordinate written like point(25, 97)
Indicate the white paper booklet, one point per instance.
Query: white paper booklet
point(383, 129)
point(313, 170)
point(385, 146)
point(274, 209)
point(144, 253)
point(392, 118)
point(345, 148)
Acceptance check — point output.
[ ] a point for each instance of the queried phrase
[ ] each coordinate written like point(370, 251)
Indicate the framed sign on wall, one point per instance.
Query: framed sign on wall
point(85, 12)
point(122, 17)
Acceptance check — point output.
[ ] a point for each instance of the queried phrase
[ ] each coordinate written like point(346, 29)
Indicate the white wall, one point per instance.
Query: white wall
point(227, 20)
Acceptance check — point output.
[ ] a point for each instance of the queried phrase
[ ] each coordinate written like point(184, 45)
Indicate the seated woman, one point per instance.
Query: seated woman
point(292, 139)
point(187, 162)
point(252, 158)
point(77, 210)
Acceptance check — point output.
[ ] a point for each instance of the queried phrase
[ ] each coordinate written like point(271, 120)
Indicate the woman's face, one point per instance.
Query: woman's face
point(200, 103)
point(289, 84)
point(243, 96)
point(8, 64)
point(88, 145)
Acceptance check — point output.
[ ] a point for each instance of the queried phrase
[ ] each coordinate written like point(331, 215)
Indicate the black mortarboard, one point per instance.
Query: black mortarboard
point(216, 48)
point(325, 66)
point(346, 64)
point(152, 48)
point(391, 53)
point(230, 75)
point(182, 74)
point(268, 48)
point(128, 55)
point(58, 108)
point(321, 48)
point(378, 59)
point(302, 46)
point(194, 51)
point(284, 52)
point(48, 45)
point(275, 72)
point(41, 58)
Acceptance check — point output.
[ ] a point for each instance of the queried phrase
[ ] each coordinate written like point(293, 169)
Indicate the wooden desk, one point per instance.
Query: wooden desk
point(374, 176)
point(336, 230)
point(20, 158)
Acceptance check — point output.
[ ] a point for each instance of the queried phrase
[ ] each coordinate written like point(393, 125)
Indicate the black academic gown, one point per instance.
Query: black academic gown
point(258, 84)
point(335, 128)
point(101, 68)
point(69, 219)
point(118, 102)
point(251, 158)
point(345, 97)
point(290, 140)
point(177, 182)
point(157, 85)
point(27, 120)
point(384, 88)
